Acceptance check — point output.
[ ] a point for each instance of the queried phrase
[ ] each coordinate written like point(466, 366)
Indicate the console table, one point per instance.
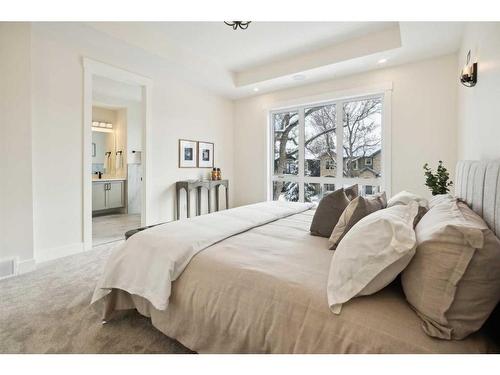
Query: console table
point(189, 185)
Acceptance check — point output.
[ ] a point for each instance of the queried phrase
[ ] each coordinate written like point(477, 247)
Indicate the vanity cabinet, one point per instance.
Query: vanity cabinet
point(107, 195)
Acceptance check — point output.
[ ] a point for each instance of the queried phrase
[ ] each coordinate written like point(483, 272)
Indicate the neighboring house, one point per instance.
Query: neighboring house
point(369, 166)
point(364, 166)
point(291, 166)
point(328, 165)
point(325, 166)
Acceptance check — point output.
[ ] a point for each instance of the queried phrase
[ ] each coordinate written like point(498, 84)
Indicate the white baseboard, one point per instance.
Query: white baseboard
point(44, 255)
point(25, 266)
point(20, 267)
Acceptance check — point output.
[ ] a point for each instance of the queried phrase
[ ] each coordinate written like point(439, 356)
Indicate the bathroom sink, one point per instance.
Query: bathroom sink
point(104, 179)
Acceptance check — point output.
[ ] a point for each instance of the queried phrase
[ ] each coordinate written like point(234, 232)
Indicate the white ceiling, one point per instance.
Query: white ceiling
point(268, 54)
point(261, 42)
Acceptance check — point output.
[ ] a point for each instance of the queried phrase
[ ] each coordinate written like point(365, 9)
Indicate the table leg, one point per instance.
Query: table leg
point(209, 196)
point(198, 200)
point(217, 198)
point(178, 202)
point(227, 197)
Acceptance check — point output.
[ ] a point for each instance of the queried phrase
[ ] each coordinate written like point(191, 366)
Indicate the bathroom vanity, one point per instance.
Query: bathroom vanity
point(108, 193)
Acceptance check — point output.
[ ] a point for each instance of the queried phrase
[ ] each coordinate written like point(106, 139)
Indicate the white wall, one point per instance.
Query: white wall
point(121, 141)
point(423, 123)
point(46, 91)
point(134, 129)
point(16, 201)
point(179, 110)
point(479, 106)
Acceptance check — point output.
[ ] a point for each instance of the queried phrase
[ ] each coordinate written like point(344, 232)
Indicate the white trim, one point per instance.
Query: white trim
point(19, 266)
point(387, 143)
point(301, 155)
point(332, 96)
point(91, 68)
point(25, 266)
point(44, 255)
point(385, 182)
point(270, 157)
point(339, 134)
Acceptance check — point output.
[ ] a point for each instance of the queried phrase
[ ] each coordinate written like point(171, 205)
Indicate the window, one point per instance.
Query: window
point(318, 147)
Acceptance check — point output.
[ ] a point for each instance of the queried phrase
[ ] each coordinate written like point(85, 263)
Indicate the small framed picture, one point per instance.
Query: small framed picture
point(187, 153)
point(205, 155)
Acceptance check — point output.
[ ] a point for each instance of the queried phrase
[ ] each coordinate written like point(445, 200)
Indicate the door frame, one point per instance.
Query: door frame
point(93, 68)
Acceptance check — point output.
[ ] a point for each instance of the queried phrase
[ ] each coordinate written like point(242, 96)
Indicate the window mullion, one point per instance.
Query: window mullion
point(301, 154)
point(339, 134)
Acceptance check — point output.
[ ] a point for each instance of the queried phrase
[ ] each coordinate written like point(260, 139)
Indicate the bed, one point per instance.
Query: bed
point(263, 290)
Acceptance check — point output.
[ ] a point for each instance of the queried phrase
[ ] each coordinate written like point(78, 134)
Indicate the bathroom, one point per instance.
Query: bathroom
point(116, 160)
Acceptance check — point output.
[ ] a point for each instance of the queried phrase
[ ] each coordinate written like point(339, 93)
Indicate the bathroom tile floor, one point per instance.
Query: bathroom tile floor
point(111, 228)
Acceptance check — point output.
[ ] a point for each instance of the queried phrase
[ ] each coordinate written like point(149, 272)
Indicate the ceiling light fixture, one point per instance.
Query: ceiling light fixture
point(243, 25)
point(382, 61)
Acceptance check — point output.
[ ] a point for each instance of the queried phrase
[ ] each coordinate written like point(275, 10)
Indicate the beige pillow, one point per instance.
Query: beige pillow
point(404, 197)
point(328, 212)
point(453, 282)
point(372, 254)
point(440, 198)
point(357, 209)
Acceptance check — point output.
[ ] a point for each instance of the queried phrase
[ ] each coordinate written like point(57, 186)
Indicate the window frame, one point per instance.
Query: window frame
point(383, 182)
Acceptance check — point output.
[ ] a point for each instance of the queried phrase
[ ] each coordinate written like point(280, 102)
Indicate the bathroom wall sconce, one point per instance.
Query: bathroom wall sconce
point(468, 76)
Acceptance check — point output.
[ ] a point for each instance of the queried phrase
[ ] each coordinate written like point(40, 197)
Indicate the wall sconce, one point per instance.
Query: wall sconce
point(468, 77)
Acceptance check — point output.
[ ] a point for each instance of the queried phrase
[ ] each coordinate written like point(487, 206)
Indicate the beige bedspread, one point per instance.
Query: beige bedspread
point(264, 291)
point(148, 263)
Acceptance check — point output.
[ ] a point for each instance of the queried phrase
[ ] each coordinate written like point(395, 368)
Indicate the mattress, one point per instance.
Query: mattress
point(264, 291)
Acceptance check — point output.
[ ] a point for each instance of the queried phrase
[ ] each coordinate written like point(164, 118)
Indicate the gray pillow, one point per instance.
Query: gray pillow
point(328, 212)
point(357, 209)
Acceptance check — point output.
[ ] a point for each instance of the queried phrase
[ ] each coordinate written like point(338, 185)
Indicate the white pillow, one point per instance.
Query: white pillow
point(372, 254)
point(405, 197)
point(441, 198)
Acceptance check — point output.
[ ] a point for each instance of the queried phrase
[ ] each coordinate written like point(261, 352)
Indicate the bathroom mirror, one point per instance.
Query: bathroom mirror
point(103, 151)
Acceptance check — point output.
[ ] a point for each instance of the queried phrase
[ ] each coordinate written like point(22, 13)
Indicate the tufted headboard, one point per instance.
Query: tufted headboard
point(478, 184)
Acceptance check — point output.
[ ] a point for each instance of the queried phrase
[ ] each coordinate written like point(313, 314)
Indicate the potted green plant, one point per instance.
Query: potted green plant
point(437, 182)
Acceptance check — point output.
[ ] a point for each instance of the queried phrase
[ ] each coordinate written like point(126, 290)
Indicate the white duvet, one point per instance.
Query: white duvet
point(148, 262)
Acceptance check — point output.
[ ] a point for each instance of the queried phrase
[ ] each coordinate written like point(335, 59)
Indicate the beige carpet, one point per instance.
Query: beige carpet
point(48, 311)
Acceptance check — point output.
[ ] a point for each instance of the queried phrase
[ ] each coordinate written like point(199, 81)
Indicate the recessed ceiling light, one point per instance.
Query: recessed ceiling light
point(298, 77)
point(255, 89)
point(382, 61)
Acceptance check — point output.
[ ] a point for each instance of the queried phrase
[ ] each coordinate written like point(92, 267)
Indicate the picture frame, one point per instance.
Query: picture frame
point(205, 154)
point(188, 153)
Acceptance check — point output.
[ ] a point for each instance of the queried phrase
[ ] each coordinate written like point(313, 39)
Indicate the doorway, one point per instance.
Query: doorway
point(116, 124)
